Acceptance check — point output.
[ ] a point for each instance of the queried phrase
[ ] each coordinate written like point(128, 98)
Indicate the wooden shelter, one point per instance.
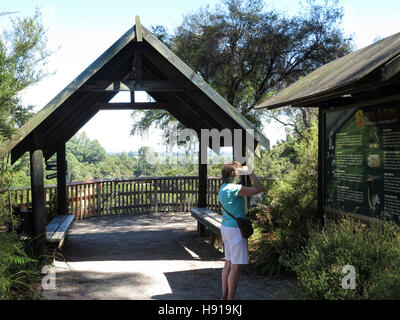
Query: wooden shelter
point(367, 78)
point(138, 61)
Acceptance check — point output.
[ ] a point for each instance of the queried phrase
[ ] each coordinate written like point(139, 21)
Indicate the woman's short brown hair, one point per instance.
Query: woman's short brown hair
point(229, 170)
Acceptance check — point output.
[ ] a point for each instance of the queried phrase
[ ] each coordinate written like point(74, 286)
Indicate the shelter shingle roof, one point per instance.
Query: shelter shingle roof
point(374, 65)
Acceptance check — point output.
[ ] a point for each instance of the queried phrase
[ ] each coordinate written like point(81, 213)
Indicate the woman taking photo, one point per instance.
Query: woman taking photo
point(232, 197)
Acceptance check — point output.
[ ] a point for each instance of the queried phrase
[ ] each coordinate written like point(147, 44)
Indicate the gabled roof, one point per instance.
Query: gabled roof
point(356, 73)
point(137, 61)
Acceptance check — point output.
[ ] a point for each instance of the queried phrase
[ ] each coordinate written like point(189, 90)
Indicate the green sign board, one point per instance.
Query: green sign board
point(362, 161)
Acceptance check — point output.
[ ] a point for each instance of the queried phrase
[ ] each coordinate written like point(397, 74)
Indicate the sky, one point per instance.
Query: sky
point(81, 30)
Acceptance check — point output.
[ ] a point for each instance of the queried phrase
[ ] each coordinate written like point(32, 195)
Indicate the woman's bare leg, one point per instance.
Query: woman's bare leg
point(225, 274)
point(233, 279)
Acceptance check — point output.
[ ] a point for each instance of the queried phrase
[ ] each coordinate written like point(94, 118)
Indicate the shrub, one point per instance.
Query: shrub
point(291, 206)
point(20, 261)
point(373, 250)
point(264, 257)
point(15, 266)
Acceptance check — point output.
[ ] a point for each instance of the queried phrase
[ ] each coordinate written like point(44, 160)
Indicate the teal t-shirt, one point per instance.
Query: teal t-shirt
point(228, 195)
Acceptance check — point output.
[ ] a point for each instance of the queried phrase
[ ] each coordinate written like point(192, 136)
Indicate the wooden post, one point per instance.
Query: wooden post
point(37, 187)
point(155, 194)
point(99, 199)
point(202, 199)
point(321, 143)
point(137, 60)
point(62, 205)
point(245, 179)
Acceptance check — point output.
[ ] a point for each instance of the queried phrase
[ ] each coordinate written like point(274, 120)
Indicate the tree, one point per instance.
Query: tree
point(247, 54)
point(86, 150)
point(143, 167)
point(23, 56)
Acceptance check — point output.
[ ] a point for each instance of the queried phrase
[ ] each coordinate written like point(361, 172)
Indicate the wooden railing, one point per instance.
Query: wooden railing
point(127, 196)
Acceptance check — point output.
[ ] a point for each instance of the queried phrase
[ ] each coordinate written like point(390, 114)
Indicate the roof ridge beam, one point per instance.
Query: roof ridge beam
point(138, 29)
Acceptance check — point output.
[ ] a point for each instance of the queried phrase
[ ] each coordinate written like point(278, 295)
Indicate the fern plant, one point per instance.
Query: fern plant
point(17, 269)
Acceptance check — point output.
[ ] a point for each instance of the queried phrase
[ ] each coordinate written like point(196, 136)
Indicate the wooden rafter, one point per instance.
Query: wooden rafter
point(136, 62)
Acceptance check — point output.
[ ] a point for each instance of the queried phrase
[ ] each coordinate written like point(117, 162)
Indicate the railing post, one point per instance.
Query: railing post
point(98, 199)
point(103, 197)
point(156, 194)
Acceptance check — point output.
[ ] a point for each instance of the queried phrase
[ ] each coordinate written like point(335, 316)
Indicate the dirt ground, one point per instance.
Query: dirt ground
point(155, 256)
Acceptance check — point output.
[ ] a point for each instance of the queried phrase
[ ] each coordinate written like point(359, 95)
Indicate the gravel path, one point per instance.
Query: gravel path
point(156, 256)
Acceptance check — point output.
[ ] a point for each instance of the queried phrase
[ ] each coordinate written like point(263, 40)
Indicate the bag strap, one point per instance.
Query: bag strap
point(227, 211)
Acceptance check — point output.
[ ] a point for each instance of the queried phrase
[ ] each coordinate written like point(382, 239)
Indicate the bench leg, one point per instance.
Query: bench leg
point(202, 229)
point(213, 238)
point(61, 243)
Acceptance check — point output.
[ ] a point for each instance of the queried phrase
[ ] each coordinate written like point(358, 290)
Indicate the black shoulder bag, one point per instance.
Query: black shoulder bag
point(245, 226)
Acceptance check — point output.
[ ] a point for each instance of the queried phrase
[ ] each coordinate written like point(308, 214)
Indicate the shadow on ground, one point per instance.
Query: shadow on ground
point(155, 256)
point(163, 236)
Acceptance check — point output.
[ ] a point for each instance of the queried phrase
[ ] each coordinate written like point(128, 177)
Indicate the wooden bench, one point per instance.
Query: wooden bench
point(57, 229)
point(209, 220)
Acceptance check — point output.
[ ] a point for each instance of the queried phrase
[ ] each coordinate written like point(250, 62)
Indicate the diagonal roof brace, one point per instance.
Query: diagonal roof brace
point(200, 106)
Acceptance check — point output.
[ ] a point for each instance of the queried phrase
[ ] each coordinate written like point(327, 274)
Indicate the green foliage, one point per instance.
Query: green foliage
point(290, 205)
point(158, 118)
point(143, 166)
point(5, 198)
point(296, 193)
point(265, 256)
point(247, 53)
point(86, 150)
point(293, 240)
point(17, 268)
point(162, 34)
point(14, 264)
point(87, 160)
point(23, 55)
point(277, 162)
point(373, 250)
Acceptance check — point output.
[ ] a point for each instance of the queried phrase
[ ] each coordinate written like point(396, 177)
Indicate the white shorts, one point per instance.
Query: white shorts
point(236, 247)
